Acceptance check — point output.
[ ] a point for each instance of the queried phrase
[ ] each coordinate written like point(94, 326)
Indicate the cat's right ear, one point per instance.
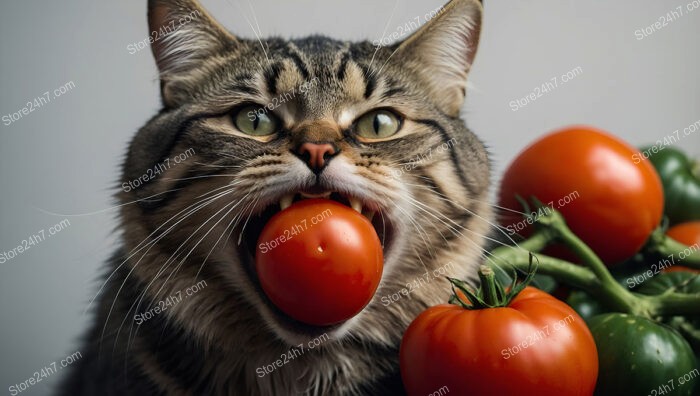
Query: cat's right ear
point(183, 35)
point(442, 50)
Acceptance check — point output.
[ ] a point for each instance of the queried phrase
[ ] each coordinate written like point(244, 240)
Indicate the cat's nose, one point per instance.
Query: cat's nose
point(316, 155)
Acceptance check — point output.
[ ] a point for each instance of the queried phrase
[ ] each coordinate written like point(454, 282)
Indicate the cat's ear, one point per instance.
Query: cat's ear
point(442, 51)
point(182, 35)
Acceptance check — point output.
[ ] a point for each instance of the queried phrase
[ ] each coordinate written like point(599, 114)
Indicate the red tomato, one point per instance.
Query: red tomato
point(536, 346)
point(612, 203)
point(688, 234)
point(319, 261)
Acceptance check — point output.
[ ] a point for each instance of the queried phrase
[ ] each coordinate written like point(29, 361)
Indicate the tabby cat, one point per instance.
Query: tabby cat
point(247, 127)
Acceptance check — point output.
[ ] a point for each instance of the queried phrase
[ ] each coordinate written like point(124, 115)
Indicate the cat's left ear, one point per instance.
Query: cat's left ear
point(183, 36)
point(442, 51)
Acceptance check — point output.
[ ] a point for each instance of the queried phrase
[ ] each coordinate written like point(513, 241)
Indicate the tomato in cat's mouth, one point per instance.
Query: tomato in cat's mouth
point(383, 226)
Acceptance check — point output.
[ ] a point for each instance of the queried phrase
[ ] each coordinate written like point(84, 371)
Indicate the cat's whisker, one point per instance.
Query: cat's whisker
point(146, 199)
point(483, 252)
point(232, 225)
point(500, 207)
point(197, 177)
point(156, 295)
point(386, 27)
point(449, 227)
point(205, 165)
point(421, 231)
point(138, 247)
point(177, 251)
point(210, 200)
point(173, 257)
point(452, 202)
point(481, 248)
point(255, 16)
point(257, 34)
point(240, 236)
point(229, 188)
point(233, 221)
point(429, 211)
point(387, 61)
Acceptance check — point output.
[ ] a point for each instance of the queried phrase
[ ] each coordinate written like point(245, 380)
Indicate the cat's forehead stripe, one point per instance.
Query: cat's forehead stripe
point(271, 75)
point(345, 57)
point(295, 55)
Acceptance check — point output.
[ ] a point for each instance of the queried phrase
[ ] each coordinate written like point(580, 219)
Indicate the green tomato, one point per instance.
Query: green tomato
point(684, 283)
point(585, 305)
point(640, 357)
point(680, 177)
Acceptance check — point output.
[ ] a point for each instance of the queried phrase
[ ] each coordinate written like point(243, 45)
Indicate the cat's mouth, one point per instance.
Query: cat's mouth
point(371, 210)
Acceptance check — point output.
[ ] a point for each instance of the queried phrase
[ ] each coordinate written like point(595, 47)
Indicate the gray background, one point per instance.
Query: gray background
point(64, 157)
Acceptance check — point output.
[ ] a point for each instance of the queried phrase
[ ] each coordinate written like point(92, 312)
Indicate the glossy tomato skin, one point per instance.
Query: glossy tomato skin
point(483, 352)
point(613, 204)
point(319, 261)
point(639, 356)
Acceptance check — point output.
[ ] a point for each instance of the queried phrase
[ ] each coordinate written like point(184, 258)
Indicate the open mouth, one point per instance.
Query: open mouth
point(371, 210)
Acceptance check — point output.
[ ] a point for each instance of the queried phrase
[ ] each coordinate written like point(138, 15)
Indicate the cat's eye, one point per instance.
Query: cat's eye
point(378, 124)
point(255, 121)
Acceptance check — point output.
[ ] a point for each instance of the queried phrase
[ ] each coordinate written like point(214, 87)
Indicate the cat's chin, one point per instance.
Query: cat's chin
point(295, 330)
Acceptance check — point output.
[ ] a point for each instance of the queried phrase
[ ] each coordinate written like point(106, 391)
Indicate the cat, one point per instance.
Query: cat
point(246, 128)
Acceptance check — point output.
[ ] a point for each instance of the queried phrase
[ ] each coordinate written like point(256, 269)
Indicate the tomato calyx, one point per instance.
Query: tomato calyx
point(491, 293)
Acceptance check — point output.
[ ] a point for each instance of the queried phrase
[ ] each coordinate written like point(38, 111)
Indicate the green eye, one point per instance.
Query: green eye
point(255, 121)
point(378, 124)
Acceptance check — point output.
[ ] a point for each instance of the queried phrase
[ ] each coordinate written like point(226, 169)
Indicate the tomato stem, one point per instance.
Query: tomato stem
point(666, 246)
point(673, 304)
point(563, 271)
point(596, 279)
point(615, 295)
point(488, 285)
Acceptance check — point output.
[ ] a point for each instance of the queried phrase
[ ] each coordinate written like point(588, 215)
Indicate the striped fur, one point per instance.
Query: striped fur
point(186, 224)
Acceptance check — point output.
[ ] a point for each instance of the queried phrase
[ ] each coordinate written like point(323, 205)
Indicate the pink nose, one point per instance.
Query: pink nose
point(315, 155)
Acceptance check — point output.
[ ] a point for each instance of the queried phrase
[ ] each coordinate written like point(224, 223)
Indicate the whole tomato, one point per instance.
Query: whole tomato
point(641, 357)
point(319, 261)
point(612, 203)
point(534, 345)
